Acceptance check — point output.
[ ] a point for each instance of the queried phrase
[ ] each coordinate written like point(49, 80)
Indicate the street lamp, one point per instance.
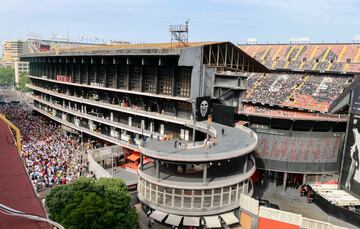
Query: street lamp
point(194, 121)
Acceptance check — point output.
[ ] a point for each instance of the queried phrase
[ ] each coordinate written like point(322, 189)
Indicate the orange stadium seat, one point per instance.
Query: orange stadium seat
point(317, 57)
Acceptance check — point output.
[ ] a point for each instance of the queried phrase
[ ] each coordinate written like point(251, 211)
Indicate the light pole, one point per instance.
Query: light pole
point(194, 119)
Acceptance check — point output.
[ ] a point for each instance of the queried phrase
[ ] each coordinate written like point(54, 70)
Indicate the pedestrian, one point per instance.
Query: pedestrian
point(223, 132)
point(175, 144)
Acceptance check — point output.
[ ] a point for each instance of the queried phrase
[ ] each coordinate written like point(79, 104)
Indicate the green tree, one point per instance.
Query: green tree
point(24, 79)
point(7, 76)
point(89, 204)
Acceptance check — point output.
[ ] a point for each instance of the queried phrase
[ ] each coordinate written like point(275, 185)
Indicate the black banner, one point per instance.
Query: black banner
point(203, 108)
point(223, 114)
point(350, 173)
point(355, 106)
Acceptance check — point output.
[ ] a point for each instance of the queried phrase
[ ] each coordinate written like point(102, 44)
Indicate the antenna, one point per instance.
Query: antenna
point(180, 34)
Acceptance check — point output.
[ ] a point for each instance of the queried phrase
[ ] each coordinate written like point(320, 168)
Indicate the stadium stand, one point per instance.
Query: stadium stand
point(301, 91)
point(283, 113)
point(315, 57)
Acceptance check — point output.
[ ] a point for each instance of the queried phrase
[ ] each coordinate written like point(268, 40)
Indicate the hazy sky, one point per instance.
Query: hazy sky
point(210, 20)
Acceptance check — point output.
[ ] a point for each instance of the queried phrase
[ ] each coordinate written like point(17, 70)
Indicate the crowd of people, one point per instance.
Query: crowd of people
point(50, 156)
point(296, 90)
point(273, 112)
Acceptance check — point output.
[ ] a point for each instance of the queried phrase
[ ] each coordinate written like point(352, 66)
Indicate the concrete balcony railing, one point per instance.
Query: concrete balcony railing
point(217, 176)
point(191, 200)
point(128, 110)
point(99, 135)
point(44, 78)
point(97, 119)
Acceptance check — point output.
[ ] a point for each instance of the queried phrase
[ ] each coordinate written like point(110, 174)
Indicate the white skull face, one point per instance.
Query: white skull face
point(204, 108)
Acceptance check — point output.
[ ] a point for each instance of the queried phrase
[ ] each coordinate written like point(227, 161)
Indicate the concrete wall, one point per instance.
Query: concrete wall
point(193, 57)
point(299, 151)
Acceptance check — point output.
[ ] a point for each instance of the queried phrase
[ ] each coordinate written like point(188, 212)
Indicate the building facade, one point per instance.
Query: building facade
point(155, 99)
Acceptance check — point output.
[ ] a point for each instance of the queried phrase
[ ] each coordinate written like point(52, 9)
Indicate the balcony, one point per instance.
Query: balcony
point(189, 196)
point(96, 86)
point(219, 174)
point(128, 110)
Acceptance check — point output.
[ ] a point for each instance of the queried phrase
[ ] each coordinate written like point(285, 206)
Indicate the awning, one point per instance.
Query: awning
point(191, 221)
point(173, 220)
point(229, 218)
point(133, 157)
point(158, 215)
point(212, 221)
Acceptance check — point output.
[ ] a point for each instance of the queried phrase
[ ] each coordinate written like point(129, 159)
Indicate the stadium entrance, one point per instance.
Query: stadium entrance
point(287, 180)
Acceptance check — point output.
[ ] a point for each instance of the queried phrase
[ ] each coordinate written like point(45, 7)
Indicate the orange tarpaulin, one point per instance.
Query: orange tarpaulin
point(133, 157)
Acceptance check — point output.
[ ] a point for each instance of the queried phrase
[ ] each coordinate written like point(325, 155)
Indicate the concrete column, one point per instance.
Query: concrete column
point(158, 169)
point(173, 88)
point(116, 85)
point(141, 79)
point(152, 127)
point(143, 124)
point(246, 162)
point(130, 121)
point(141, 162)
point(186, 135)
point(304, 179)
point(63, 104)
point(284, 182)
point(205, 173)
point(127, 77)
point(105, 75)
point(162, 129)
point(157, 80)
point(112, 116)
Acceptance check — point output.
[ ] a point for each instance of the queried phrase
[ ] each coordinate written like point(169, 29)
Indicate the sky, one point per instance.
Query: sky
point(135, 21)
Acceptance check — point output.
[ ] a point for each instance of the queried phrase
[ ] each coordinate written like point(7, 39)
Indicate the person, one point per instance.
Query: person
point(223, 132)
point(354, 155)
point(151, 222)
point(206, 143)
point(175, 144)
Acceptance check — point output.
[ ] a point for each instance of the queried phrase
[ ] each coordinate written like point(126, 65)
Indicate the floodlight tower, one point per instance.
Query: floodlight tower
point(180, 34)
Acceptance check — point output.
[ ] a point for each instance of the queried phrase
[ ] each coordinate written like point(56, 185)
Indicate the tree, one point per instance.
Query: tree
point(7, 76)
point(24, 79)
point(89, 204)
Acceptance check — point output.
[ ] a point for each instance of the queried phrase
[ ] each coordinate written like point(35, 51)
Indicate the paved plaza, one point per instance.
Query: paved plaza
point(291, 201)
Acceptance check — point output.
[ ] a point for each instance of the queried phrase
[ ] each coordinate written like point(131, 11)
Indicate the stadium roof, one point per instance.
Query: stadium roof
point(16, 190)
point(123, 46)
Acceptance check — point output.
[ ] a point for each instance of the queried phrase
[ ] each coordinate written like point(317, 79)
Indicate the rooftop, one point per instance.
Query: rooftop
point(16, 190)
point(236, 142)
point(113, 49)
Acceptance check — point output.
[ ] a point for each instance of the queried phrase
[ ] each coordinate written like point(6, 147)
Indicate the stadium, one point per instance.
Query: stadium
point(286, 104)
point(299, 110)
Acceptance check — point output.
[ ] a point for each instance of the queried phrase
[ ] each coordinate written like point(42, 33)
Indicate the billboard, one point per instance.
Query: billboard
point(350, 173)
point(203, 108)
point(223, 114)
